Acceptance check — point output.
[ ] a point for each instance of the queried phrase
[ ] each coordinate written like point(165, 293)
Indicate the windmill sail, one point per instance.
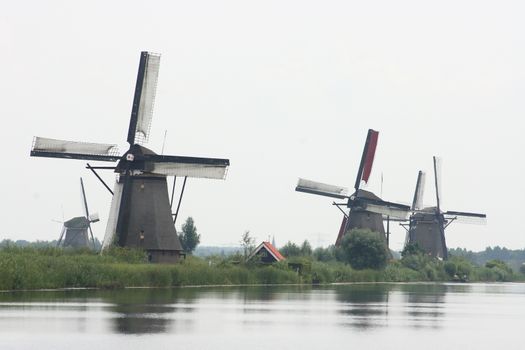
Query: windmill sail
point(367, 159)
point(466, 218)
point(390, 209)
point(417, 202)
point(341, 233)
point(208, 168)
point(53, 148)
point(437, 179)
point(86, 211)
point(111, 227)
point(84, 200)
point(203, 171)
point(144, 98)
point(321, 189)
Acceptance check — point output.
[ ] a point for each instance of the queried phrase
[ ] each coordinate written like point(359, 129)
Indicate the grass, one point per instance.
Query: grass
point(50, 268)
point(29, 268)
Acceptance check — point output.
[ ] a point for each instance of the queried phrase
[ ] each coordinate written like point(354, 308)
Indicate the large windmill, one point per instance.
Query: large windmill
point(75, 231)
point(427, 226)
point(366, 210)
point(140, 214)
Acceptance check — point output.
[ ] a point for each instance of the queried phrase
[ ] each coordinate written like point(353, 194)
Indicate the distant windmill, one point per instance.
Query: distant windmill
point(140, 214)
point(427, 226)
point(366, 209)
point(75, 231)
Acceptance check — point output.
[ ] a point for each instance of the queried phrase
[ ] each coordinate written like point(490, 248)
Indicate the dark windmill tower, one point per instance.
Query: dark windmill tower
point(75, 231)
point(140, 214)
point(366, 210)
point(427, 225)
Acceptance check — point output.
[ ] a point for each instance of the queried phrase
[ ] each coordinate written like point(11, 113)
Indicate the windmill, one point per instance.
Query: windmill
point(427, 226)
point(140, 213)
point(75, 231)
point(366, 210)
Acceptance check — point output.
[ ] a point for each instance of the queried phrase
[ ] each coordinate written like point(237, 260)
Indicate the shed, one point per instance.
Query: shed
point(267, 253)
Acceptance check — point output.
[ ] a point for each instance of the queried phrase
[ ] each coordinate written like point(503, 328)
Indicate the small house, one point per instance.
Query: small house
point(266, 253)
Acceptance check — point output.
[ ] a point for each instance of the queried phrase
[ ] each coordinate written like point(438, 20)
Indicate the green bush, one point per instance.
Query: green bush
point(450, 268)
point(324, 254)
point(364, 249)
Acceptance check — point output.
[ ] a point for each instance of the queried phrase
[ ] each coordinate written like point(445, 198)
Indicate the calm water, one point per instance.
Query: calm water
point(361, 316)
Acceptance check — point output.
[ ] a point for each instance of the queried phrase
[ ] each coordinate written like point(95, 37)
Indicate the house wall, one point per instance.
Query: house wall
point(265, 256)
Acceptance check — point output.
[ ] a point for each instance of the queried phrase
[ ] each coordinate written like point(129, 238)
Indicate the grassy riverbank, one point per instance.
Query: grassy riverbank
point(49, 268)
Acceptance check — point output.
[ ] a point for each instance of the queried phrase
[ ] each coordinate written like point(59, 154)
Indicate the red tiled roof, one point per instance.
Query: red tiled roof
point(274, 251)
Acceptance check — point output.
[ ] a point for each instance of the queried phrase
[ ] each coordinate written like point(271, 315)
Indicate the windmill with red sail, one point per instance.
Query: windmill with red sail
point(365, 209)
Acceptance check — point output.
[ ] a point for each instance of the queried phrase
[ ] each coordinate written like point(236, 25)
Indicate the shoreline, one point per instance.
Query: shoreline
point(203, 286)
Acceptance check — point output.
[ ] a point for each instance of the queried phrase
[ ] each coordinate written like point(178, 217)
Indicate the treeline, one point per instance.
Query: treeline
point(38, 244)
point(364, 249)
point(204, 251)
point(514, 258)
point(362, 257)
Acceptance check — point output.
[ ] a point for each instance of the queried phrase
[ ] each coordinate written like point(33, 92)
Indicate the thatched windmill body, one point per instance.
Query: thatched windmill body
point(427, 226)
point(140, 214)
point(365, 209)
point(76, 232)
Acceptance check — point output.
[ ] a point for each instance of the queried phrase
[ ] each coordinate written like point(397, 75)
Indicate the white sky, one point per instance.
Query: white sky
point(284, 89)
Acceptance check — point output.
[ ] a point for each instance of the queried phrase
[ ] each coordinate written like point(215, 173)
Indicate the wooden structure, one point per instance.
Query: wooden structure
point(266, 253)
point(141, 211)
point(365, 209)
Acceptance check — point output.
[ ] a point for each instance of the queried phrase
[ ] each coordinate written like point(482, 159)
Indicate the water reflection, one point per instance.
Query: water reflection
point(364, 305)
point(296, 313)
point(142, 311)
point(424, 304)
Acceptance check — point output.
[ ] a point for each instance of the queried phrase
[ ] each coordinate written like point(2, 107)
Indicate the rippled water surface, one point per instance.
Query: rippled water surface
point(357, 316)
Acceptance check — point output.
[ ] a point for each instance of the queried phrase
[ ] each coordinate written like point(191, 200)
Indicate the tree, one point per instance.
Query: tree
point(247, 243)
point(306, 248)
point(412, 249)
point(324, 254)
point(189, 237)
point(364, 249)
point(290, 249)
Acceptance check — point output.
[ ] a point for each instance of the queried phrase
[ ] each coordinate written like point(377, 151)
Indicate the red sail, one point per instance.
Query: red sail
point(341, 232)
point(370, 153)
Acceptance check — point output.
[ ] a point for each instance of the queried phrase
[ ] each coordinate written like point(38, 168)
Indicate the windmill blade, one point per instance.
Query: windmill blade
point(84, 200)
point(342, 230)
point(144, 98)
point(437, 181)
point(321, 189)
point(466, 218)
point(61, 236)
point(111, 226)
point(417, 202)
point(86, 211)
point(393, 210)
point(208, 168)
point(92, 237)
point(367, 159)
point(53, 148)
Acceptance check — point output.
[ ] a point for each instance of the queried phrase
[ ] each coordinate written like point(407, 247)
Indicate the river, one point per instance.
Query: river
point(354, 316)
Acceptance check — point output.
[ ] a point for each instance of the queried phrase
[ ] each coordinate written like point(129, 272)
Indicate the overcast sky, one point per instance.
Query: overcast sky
point(284, 89)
